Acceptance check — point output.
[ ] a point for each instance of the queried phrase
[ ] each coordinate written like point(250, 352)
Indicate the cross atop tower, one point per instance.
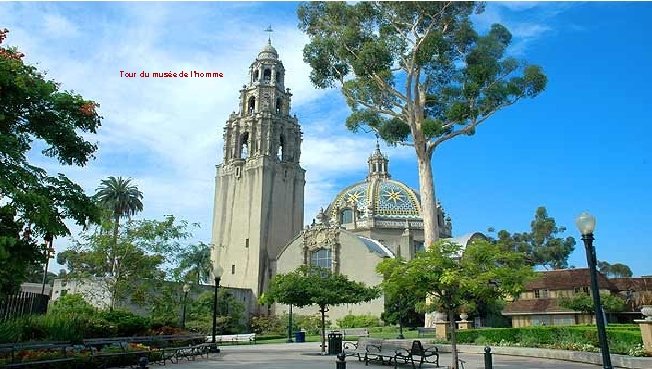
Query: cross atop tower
point(269, 37)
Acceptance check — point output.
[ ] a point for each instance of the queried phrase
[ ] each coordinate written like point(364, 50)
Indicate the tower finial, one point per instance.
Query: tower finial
point(377, 143)
point(269, 37)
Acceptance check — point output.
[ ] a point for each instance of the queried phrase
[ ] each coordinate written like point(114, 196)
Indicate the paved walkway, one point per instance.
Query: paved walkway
point(306, 356)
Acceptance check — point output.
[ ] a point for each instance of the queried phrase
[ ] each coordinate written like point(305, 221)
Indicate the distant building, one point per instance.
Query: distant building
point(538, 304)
point(95, 292)
point(36, 288)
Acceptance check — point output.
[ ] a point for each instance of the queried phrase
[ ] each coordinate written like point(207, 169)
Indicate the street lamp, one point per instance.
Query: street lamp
point(48, 251)
point(290, 325)
point(586, 224)
point(186, 289)
point(218, 275)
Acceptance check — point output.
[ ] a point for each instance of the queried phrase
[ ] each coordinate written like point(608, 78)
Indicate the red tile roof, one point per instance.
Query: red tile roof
point(536, 306)
point(567, 279)
point(635, 284)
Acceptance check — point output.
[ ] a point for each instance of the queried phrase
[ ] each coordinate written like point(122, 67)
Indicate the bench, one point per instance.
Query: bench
point(17, 355)
point(422, 331)
point(370, 349)
point(233, 338)
point(118, 351)
point(417, 349)
point(359, 348)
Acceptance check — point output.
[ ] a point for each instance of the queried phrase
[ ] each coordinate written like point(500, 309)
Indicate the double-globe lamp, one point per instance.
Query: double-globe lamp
point(586, 224)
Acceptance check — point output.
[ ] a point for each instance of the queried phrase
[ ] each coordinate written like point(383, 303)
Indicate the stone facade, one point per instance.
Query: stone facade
point(258, 205)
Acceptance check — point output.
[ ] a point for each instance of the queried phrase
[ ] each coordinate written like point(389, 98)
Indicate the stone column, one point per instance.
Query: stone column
point(646, 334)
point(442, 328)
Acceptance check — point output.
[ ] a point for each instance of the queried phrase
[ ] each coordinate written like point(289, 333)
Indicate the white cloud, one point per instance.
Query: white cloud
point(58, 26)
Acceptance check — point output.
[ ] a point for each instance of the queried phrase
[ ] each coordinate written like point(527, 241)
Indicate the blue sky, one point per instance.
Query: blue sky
point(584, 144)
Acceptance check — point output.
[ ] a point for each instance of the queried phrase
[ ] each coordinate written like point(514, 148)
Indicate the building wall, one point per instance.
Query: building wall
point(519, 321)
point(356, 261)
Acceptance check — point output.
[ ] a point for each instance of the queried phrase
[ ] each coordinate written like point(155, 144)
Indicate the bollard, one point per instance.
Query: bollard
point(340, 363)
point(487, 358)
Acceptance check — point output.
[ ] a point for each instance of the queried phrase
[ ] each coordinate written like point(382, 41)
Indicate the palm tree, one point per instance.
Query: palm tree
point(195, 261)
point(122, 199)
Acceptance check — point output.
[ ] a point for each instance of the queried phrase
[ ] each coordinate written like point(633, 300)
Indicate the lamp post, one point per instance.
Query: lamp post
point(218, 275)
point(186, 289)
point(586, 224)
point(290, 325)
point(48, 250)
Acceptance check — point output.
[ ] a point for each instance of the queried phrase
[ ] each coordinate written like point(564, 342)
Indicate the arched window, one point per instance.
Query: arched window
point(251, 106)
point(267, 74)
point(244, 145)
point(281, 148)
point(278, 77)
point(279, 105)
point(346, 216)
point(256, 75)
point(322, 258)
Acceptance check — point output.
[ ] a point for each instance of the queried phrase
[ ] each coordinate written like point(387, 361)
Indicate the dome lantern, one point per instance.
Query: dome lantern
point(378, 164)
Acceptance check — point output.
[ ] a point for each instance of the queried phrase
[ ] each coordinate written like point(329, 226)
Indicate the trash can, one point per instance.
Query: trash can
point(334, 343)
point(299, 336)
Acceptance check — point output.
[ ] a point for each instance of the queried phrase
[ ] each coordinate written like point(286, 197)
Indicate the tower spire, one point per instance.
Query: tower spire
point(269, 30)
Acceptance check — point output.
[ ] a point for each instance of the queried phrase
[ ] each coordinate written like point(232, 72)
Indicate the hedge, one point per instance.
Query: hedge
point(621, 339)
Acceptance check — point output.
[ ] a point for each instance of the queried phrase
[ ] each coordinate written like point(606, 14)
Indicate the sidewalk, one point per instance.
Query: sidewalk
point(307, 355)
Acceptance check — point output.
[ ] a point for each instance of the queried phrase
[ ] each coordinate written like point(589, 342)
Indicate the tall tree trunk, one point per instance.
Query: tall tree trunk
point(114, 249)
point(322, 310)
point(428, 199)
point(451, 322)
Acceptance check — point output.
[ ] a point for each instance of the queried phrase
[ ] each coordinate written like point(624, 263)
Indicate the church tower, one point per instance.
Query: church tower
point(258, 204)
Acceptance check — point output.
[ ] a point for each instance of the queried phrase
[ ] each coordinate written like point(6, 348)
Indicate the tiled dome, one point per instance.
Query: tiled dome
point(384, 197)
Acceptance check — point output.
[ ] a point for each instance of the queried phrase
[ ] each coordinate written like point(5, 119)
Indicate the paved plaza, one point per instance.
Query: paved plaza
point(306, 355)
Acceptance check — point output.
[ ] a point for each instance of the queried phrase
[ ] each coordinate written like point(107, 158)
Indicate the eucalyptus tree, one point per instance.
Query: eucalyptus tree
point(122, 199)
point(416, 73)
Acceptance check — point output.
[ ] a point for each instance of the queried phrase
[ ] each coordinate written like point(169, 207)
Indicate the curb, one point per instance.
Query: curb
point(618, 361)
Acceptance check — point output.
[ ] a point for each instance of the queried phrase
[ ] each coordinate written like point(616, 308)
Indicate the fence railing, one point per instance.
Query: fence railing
point(23, 303)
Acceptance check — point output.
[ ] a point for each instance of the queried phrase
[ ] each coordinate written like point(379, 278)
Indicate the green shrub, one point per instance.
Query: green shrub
point(126, 323)
point(358, 321)
point(310, 323)
point(272, 325)
point(582, 338)
point(71, 304)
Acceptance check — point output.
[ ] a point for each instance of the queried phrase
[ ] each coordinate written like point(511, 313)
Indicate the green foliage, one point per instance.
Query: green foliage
point(310, 285)
point(73, 304)
point(581, 338)
point(143, 248)
point(35, 113)
point(310, 323)
point(194, 263)
point(542, 244)
point(584, 302)
point(400, 302)
point(454, 281)
point(358, 321)
point(125, 322)
point(230, 313)
point(268, 324)
point(617, 270)
point(415, 73)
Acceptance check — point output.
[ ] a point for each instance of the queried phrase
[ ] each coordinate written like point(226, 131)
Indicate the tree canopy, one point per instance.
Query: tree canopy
point(584, 302)
point(543, 244)
point(416, 73)
point(455, 279)
point(35, 115)
point(617, 270)
point(143, 248)
point(310, 285)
